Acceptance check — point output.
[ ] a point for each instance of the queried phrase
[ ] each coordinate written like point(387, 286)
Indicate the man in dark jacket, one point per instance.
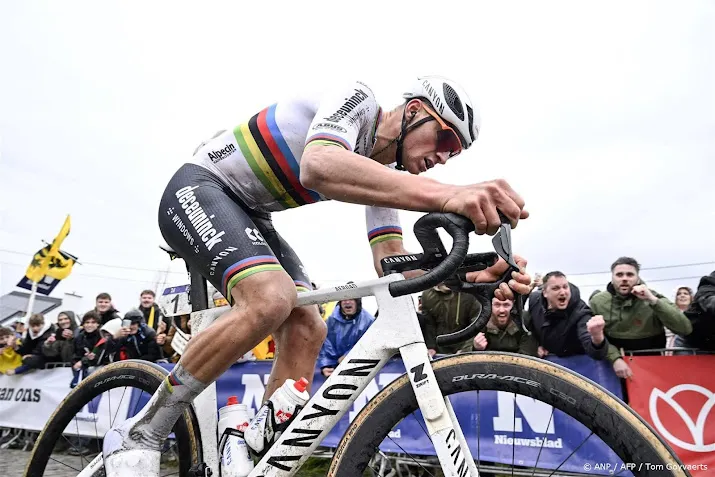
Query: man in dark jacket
point(562, 323)
point(103, 306)
point(60, 346)
point(701, 314)
point(138, 341)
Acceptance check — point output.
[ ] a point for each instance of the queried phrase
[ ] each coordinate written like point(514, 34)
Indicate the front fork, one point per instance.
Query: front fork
point(442, 425)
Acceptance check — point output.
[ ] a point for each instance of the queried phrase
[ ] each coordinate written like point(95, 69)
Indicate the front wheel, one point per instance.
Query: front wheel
point(606, 416)
point(91, 401)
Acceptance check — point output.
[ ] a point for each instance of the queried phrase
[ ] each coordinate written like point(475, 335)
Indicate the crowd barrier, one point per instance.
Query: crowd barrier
point(493, 424)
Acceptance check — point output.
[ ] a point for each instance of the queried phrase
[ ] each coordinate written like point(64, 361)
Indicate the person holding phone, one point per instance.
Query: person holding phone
point(135, 340)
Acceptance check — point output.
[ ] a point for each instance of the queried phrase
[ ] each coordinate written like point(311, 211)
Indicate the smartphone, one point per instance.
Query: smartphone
point(126, 323)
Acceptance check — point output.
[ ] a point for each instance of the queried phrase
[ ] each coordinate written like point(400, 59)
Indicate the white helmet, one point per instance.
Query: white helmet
point(452, 104)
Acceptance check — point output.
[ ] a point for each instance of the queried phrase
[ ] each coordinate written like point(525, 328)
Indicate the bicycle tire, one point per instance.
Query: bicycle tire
point(628, 435)
point(139, 374)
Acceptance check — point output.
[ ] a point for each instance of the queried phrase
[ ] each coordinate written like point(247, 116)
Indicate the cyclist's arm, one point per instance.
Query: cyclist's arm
point(329, 165)
point(385, 235)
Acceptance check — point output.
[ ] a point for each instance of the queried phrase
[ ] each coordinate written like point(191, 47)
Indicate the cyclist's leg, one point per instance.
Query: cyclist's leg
point(204, 224)
point(299, 339)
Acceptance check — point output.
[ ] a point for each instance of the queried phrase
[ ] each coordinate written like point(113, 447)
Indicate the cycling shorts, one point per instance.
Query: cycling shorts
point(219, 236)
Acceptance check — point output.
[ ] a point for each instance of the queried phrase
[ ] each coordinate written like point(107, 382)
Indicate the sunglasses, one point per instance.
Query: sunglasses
point(447, 138)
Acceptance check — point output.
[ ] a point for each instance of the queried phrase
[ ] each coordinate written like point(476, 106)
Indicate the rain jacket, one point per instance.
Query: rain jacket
point(342, 335)
point(61, 349)
point(445, 313)
point(635, 324)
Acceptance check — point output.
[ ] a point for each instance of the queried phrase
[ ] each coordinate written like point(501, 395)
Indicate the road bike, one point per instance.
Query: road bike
point(426, 387)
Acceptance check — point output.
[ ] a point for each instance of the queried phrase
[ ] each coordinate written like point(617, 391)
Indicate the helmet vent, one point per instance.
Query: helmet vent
point(470, 117)
point(453, 101)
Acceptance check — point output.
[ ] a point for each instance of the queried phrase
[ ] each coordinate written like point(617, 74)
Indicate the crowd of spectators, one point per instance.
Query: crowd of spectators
point(627, 317)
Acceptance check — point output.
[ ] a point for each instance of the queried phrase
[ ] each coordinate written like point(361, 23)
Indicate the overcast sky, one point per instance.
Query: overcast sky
point(600, 114)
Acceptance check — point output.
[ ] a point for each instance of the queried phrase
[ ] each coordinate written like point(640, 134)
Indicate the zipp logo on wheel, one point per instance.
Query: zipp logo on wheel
point(255, 236)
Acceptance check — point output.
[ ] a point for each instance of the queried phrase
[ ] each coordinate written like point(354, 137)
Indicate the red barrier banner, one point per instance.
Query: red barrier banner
point(676, 395)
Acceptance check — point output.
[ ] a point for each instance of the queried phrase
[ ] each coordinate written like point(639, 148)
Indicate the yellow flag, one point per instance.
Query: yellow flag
point(50, 260)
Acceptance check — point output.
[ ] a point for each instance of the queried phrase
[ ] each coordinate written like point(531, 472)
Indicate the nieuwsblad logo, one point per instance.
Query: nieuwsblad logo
point(695, 427)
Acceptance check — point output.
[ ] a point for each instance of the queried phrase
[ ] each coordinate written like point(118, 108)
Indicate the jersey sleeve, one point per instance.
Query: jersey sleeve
point(382, 224)
point(341, 115)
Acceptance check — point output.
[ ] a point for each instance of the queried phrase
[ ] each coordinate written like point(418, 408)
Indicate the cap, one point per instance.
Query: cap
point(232, 400)
point(301, 385)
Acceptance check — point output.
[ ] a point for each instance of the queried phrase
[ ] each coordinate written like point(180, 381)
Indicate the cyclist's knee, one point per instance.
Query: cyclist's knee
point(304, 326)
point(268, 296)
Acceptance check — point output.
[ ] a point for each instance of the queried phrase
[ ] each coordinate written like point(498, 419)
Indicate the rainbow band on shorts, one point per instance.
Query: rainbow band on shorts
point(245, 268)
point(302, 286)
point(381, 234)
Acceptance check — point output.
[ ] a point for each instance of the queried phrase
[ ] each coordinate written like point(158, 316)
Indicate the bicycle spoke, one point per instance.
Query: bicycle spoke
point(538, 456)
point(572, 453)
point(134, 411)
point(118, 407)
point(66, 465)
point(410, 456)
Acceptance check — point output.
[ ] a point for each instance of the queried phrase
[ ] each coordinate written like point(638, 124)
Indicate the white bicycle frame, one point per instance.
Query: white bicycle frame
point(396, 330)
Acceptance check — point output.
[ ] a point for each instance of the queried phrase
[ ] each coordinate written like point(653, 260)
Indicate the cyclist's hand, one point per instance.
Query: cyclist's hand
point(480, 342)
point(519, 283)
point(479, 202)
point(327, 371)
point(622, 369)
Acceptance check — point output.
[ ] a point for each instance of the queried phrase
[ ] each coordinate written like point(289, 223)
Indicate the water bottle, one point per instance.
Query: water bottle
point(284, 401)
point(233, 421)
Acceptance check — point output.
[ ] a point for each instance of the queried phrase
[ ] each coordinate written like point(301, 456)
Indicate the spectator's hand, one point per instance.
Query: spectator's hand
point(520, 282)
point(77, 365)
point(90, 356)
point(162, 327)
point(67, 334)
point(340, 359)
point(479, 202)
point(643, 293)
point(622, 369)
point(480, 342)
point(10, 372)
point(51, 339)
point(595, 328)
point(432, 352)
point(122, 333)
point(327, 371)
point(542, 352)
point(161, 339)
point(27, 356)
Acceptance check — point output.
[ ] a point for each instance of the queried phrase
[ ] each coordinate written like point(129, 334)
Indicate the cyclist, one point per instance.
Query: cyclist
point(215, 212)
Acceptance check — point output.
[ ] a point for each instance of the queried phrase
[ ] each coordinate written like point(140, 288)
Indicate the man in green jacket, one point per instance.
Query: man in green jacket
point(635, 315)
point(444, 312)
point(503, 334)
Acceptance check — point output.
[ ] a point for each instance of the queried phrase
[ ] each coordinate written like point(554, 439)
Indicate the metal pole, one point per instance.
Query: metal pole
point(31, 302)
